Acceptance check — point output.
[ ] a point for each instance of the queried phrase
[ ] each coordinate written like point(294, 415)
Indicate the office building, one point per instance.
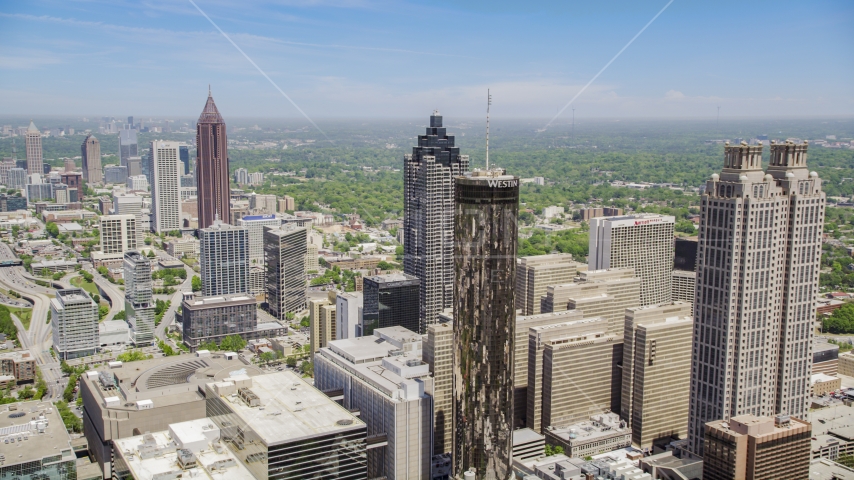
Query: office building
point(601, 433)
point(186, 246)
point(185, 161)
point(212, 166)
point(643, 242)
point(348, 308)
point(428, 228)
point(257, 277)
point(116, 174)
point(20, 364)
point(42, 447)
point(321, 321)
point(486, 209)
point(262, 203)
point(685, 254)
point(211, 319)
point(74, 319)
point(438, 351)
point(134, 165)
point(759, 247)
point(312, 259)
point(128, 147)
point(17, 178)
point(60, 193)
point(130, 204)
point(284, 255)
point(307, 433)
point(39, 191)
point(33, 143)
point(138, 183)
point(5, 166)
point(589, 213)
point(224, 259)
point(193, 446)
point(139, 303)
point(74, 180)
point(751, 447)
point(656, 374)
point(254, 225)
point(684, 283)
point(118, 234)
point(11, 203)
point(241, 176)
point(90, 151)
point(165, 194)
point(68, 165)
point(825, 358)
point(384, 378)
point(256, 178)
point(597, 293)
point(286, 204)
point(390, 300)
point(534, 274)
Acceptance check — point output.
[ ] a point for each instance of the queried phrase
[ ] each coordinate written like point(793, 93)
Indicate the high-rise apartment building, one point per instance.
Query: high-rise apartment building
point(5, 166)
point(90, 151)
point(534, 274)
point(656, 375)
point(486, 209)
point(224, 259)
point(139, 303)
point(390, 300)
point(753, 448)
point(262, 203)
point(118, 234)
point(74, 320)
point(255, 224)
point(757, 278)
point(165, 186)
point(348, 308)
point(17, 178)
point(128, 147)
point(284, 255)
point(321, 320)
point(241, 176)
point(438, 353)
point(428, 228)
point(643, 242)
point(34, 150)
point(212, 166)
point(286, 204)
point(129, 204)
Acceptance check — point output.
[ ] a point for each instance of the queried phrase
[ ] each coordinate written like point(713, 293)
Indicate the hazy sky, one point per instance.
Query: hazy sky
point(403, 59)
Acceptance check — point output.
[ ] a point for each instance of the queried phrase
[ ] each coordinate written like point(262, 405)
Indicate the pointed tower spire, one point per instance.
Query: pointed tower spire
point(210, 114)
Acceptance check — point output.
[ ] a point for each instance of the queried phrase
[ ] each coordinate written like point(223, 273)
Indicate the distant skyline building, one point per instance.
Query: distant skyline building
point(214, 192)
point(74, 319)
point(74, 180)
point(33, 143)
point(128, 146)
point(17, 178)
point(90, 151)
point(139, 303)
point(165, 186)
point(224, 259)
point(486, 209)
point(115, 174)
point(428, 228)
point(390, 300)
point(284, 255)
point(185, 159)
point(757, 279)
point(643, 242)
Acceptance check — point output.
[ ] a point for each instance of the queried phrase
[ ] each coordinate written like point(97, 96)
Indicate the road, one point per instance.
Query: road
point(177, 298)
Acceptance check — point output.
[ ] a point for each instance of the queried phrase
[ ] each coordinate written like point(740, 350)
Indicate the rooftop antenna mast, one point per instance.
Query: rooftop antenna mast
point(488, 103)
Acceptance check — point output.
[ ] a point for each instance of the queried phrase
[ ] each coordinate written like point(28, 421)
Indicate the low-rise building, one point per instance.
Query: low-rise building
point(34, 443)
point(528, 444)
point(845, 363)
point(822, 384)
point(602, 433)
point(825, 357)
point(212, 318)
point(19, 364)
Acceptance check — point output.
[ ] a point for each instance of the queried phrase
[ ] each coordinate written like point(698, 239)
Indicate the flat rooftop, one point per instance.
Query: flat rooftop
point(218, 300)
point(292, 409)
point(391, 278)
point(30, 431)
point(599, 426)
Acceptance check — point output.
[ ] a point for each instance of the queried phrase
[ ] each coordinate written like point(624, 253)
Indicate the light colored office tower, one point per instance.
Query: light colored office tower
point(60, 193)
point(224, 259)
point(581, 377)
point(165, 185)
point(139, 303)
point(257, 277)
point(284, 254)
point(255, 225)
point(347, 308)
point(438, 351)
point(68, 165)
point(521, 358)
point(318, 331)
point(597, 293)
point(428, 227)
point(33, 143)
point(74, 319)
point(538, 338)
point(138, 183)
point(684, 283)
point(656, 370)
point(643, 242)
point(5, 166)
point(286, 204)
point(262, 203)
point(302, 434)
point(129, 204)
point(241, 176)
point(752, 447)
point(534, 274)
point(312, 257)
point(119, 233)
point(90, 151)
point(757, 277)
point(384, 378)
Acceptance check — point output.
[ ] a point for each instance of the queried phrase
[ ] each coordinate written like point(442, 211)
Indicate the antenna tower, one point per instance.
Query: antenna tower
point(488, 103)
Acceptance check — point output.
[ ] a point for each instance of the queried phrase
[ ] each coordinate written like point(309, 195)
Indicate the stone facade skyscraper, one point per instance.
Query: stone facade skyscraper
point(34, 150)
point(428, 228)
point(214, 193)
point(485, 242)
point(165, 186)
point(757, 277)
point(91, 154)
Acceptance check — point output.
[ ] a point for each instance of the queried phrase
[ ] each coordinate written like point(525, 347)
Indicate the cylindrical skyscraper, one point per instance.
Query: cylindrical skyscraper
point(486, 209)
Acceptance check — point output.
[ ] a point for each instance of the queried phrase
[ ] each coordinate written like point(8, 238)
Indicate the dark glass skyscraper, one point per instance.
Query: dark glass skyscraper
point(389, 301)
point(428, 228)
point(212, 166)
point(485, 241)
point(185, 158)
point(128, 146)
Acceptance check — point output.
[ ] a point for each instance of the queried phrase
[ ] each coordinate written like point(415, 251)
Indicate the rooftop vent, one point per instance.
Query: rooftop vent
point(344, 422)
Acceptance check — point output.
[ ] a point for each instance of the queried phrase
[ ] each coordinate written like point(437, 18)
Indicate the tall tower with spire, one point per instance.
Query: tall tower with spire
point(212, 166)
point(91, 153)
point(34, 150)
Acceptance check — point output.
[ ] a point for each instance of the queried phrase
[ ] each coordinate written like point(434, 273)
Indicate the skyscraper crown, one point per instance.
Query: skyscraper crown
point(32, 128)
point(210, 114)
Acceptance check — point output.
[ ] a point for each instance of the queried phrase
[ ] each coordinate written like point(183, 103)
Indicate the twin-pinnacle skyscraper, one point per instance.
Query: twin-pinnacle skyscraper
point(757, 277)
point(428, 218)
point(212, 166)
